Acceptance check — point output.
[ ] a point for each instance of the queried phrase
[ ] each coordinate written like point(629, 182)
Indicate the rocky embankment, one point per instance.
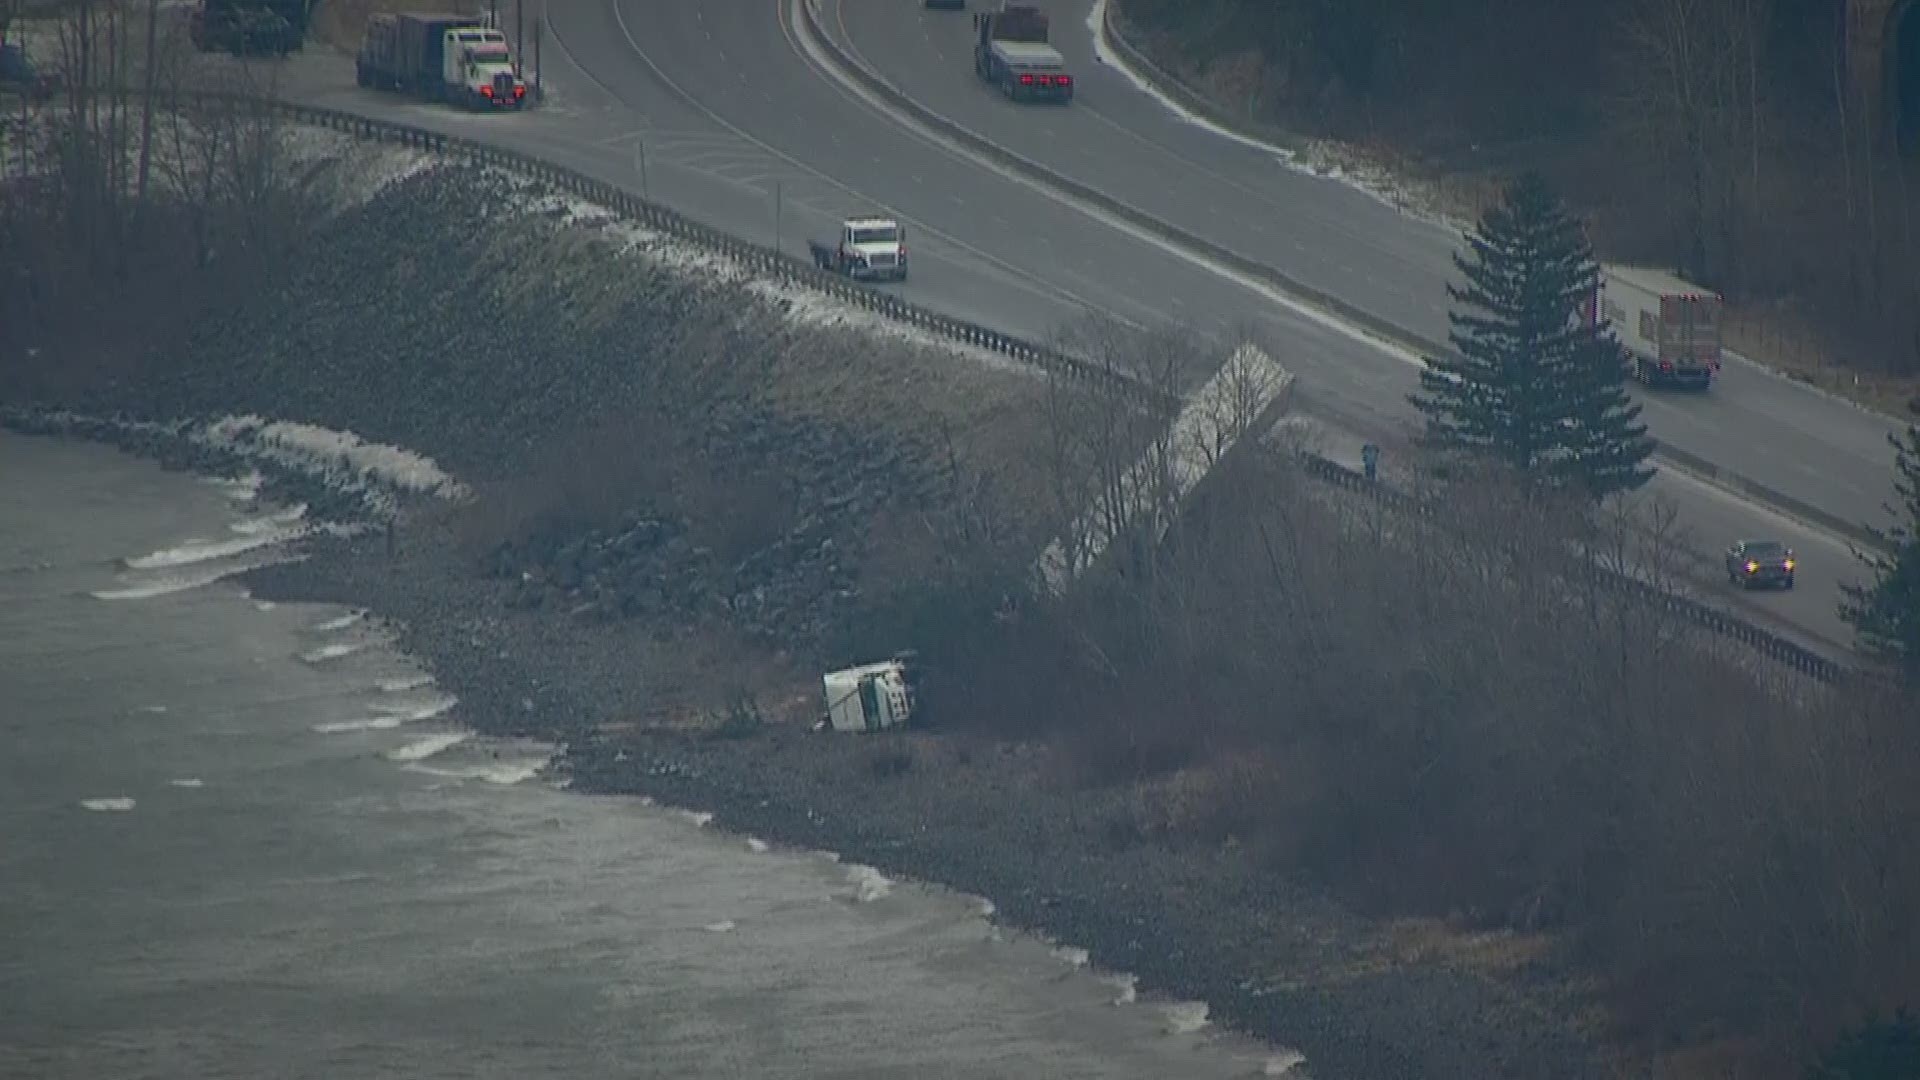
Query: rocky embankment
point(679, 490)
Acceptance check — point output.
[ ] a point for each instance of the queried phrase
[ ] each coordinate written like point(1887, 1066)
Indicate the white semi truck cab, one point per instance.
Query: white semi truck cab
point(479, 69)
point(868, 248)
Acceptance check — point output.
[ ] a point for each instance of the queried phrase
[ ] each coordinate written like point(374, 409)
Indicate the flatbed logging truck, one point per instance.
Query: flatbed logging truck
point(439, 57)
point(249, 26)
point(868, 249)
point(1012, 53)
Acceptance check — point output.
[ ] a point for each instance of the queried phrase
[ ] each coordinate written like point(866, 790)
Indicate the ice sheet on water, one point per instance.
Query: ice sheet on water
point(868, 884)
point(1186, 1017)
point(149, 587)
point(332, 652)
point(422, 749)
point(198, 551)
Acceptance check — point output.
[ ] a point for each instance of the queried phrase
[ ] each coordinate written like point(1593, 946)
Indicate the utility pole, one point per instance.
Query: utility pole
point(519, 38)
point(640, 159)
point(539, 31)
point(777, 206)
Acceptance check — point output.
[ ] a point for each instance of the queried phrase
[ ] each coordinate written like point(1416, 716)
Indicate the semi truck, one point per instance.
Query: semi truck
point(1011, 52)
point(440, 57)
point(249, 26)
point(1670, 328)
point(869, 248)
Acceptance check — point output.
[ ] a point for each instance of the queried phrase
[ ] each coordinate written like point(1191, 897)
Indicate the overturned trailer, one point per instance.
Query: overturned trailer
point(870, 697)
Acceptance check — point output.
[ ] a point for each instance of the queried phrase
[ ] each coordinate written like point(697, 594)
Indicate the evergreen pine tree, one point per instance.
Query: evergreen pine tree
point(1886, 614)
point(1534, 384)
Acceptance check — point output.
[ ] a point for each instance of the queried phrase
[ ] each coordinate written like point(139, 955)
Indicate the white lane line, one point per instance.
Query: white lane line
point(1030, 282)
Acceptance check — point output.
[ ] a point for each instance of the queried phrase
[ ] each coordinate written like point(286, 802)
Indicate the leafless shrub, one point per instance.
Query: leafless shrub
point(1462, 713)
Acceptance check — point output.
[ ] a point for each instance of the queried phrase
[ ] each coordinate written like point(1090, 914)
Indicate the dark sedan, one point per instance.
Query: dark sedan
point(950, 5)
point(1760, 562)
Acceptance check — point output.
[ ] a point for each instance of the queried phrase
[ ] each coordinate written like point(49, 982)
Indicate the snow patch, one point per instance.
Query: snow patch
point(756, 845)
point(722, 927)
point(1071, 955)
point(1326, 160)
point(801, 305)
point(187, 782)
point(1126, 988)
point(340, 456)
point(117, 804)
point(700, 818)
point(154, 709)
point(402, 685)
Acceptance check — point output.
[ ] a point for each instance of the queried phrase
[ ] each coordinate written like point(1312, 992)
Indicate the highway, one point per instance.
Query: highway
point(1330, 235)
point(716, 109)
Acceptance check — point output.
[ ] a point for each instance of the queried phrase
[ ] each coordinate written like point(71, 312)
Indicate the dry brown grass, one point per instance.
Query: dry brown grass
point(1424, 721)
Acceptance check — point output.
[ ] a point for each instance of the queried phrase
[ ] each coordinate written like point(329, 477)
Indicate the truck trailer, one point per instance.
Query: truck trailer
point(1670, 328)
point(249, 26)
point(440, 57)
point(1011, 52)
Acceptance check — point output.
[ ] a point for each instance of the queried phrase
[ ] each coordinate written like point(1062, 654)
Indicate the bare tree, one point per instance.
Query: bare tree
point(1692, 103)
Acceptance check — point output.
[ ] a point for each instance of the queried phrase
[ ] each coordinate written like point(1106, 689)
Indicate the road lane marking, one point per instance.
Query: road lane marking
point(1026, 280)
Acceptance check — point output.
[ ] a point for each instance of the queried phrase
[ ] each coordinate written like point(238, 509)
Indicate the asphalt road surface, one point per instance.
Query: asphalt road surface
point(719, 112)
point(1814, 447)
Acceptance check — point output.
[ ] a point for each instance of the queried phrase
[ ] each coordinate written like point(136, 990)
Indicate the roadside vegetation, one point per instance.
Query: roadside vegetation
point(1721, 137)
point(1443, 719)
point(1886, 611)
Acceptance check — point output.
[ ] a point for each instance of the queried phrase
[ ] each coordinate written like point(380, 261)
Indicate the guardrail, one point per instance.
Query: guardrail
point(753, 257)
point(1278, 279)
point(1704, 616)
point(797, 272)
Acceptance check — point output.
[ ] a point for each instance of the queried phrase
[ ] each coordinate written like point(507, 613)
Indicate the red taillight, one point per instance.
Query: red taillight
point(1666, 365)
point(519, 91)
point(486, 91)
point(1026, 80)
point(1065, 80)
